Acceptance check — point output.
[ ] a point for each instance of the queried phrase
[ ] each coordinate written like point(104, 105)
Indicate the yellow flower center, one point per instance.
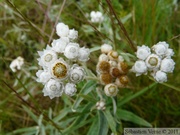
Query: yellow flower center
point(59, 70)
point(153, 61)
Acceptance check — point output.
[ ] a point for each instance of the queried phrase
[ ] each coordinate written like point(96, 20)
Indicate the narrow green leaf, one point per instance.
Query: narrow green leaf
point(110, 120)
point(24, 130)
point(89, 86)
point(33, 116)
point(80, 120)
point(131, 117)
point(94, 127)
point(139, 93)
point(103, 124)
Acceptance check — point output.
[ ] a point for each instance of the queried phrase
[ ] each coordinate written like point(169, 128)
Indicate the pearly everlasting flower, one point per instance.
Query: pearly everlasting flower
point(123, 67)
point(113, 63)
point(157, 63)
point(113, 55)
point(59, 45)
point(122, 81)
point(143, 52)
point(83, 54)
point(96, 17)
point(105, 78)
point(106, 48)
point(153, 61)
point(53, 88)
point(160, 76)
point(103, 67)
point(73, 34)
point(101, 105)
point(160, 48)
point(76, 74)
point(167, 65)
point(47, 57)
point(169, 53)
point(139, 68)
point(62, 30)
point(71, 51)
point(43, 76)
point(70, 89)
point(111, 90)
point(120, 58)
point(103, 57)
point(59, 69)
point(17, 64)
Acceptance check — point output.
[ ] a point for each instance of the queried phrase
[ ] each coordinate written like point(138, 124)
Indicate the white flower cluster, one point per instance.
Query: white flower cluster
point(112, 70)
point(96, 17)
point(158, 62)
point(17, 63)
point(58, 74)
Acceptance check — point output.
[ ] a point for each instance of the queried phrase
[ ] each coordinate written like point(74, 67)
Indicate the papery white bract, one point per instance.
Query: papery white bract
point(73, 34)
point(160, 48)
point(139, 68)
point(70, 89)
point(111, 90)
point(59, 45)
point(103, 57)
point(143, 52)
point(62, 30)
point(96, 17)
point(43, 76)
point(76, 74)
point(83, 54)
point(72, 50)
point(167, 65)
point(106, 48)
point(160, 76)
point(53, 88)
point(47, 57)
point(17, 64)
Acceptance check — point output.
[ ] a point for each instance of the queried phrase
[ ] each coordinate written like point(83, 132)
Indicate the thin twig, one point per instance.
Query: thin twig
point(52, 33)
point(121, 26)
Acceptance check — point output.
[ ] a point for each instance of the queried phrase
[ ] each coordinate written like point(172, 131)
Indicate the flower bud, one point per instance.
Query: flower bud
point(77, 74)
point(71, 51)
point(73, 34)
point(122, 81)
point(83, 54)
point(103, 67)
point(123, 67)
point(103, 57)
point(167, 65)
point(70, 89)
point(139, 68)
point(105, 78)
point(113, 55)
point(160, 48)
point(160, 76)
point(105, 48)
point(62, 30)
point(143, 52)
point(111, 90)
point(53, 88)
point(101, 105)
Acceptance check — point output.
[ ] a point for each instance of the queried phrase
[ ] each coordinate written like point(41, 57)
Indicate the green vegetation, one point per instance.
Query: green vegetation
point(26, 27)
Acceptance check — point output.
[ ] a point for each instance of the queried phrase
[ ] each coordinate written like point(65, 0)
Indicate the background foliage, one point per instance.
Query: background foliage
point(26, 27)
